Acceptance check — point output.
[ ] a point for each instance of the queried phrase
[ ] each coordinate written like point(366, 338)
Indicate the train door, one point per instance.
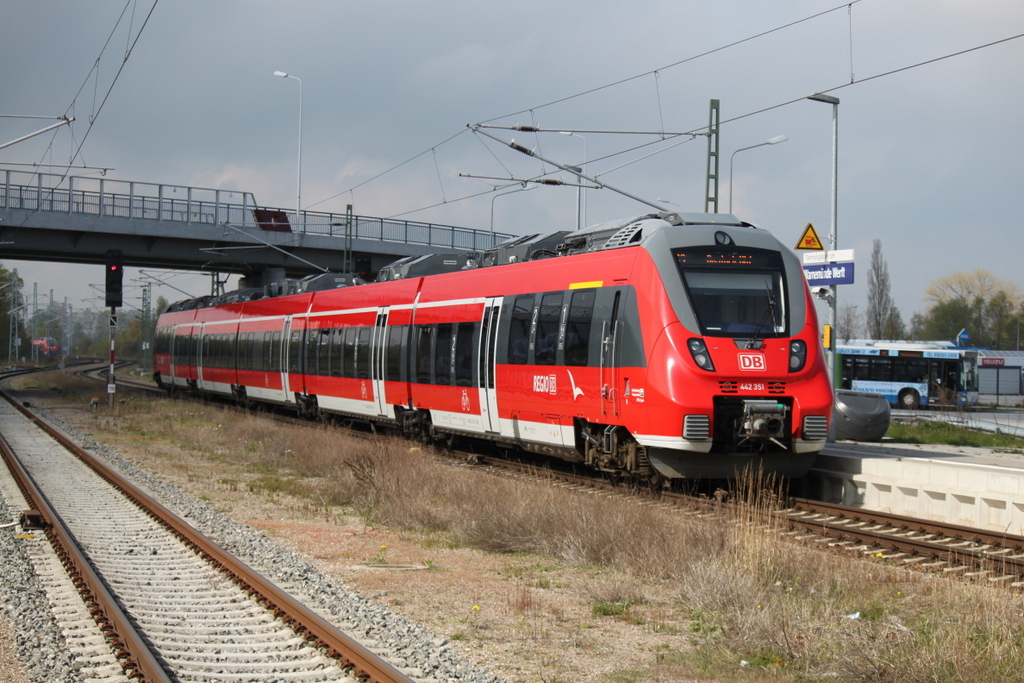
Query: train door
point(288, 382)
point(488, 366)
point(201, 360)
point(609, 361)
point(378, 358)
point(192, 356)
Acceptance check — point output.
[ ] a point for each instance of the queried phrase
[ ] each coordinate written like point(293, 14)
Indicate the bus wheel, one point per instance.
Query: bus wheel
point(908, 399)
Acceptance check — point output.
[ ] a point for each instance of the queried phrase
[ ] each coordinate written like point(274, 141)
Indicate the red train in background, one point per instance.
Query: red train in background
point(666, 346)
point(46, 346)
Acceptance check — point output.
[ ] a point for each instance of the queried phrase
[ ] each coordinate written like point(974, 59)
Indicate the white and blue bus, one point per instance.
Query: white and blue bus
point(911, 375)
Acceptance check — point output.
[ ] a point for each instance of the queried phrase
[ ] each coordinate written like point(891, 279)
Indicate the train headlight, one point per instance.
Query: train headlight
point(700, 354)
point(797, 355)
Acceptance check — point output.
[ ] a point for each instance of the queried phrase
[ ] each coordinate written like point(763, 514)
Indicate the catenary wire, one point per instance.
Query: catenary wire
point(778, 106)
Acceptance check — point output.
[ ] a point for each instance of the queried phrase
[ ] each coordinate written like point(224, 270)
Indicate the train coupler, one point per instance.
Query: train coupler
point(763, 421)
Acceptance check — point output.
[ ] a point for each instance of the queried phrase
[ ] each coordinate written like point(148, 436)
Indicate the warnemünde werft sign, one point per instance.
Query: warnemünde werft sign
point(828, 267)
point(829, 274)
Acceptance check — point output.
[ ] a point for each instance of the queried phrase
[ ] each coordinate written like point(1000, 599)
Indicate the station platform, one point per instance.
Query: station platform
point(977, 487)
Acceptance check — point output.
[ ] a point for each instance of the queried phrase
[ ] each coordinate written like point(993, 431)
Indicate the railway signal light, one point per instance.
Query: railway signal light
point(115, 275)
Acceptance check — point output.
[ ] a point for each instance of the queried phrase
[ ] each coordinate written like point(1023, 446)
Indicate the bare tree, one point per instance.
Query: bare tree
point(848, 322)
point(882, 318)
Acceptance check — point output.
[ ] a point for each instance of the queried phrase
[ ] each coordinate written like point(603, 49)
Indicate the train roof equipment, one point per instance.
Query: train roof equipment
point(613, 234)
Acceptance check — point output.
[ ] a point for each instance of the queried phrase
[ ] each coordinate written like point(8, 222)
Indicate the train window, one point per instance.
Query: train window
point(396, 334)
point(735, 292)
point(348, 353)
point(736, 304)
point(519, 331)
point(244, 346)
point(443, 355)
point(294, 351)
point(337, 339)
point(363, 353)
point(310, 347)
point(272, 346)
point(463, 358)
point(423, 354)
point(275, 353)
point(546, 343)
point(577, 332)
point(324, 353)
point(255, 349)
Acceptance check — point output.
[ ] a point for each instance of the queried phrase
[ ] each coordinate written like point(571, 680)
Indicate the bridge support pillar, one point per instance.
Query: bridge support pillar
point(270, 279)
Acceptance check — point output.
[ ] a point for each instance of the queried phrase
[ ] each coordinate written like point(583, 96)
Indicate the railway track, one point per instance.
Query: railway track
point(184, 609)
point(946, 549)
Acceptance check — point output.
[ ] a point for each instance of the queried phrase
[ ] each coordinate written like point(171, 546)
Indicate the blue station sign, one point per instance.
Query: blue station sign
point(829, 274)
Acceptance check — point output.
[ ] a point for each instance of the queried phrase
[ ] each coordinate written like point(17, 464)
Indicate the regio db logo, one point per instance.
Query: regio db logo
point(545, 384)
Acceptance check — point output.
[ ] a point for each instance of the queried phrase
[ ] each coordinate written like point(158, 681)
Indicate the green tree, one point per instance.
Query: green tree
point(945, 320)
point(989, 309)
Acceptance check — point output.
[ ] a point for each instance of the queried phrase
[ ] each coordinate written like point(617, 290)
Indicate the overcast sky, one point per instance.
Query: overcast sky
point(931, 159)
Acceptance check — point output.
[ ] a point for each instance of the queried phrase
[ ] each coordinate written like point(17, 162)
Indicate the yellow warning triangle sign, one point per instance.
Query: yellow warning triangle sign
point(809, 240)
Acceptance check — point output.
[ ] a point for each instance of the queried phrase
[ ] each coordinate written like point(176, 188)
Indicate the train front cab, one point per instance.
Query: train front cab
point(740, 366)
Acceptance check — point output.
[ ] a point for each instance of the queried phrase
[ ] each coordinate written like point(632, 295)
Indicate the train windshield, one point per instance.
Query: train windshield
point(735, 293)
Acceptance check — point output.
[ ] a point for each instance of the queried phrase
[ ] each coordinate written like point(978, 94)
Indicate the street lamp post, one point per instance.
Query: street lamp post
point(521, 189)
point(298, 192)
point(581, 210)
point(832, 235)
point(770, 141)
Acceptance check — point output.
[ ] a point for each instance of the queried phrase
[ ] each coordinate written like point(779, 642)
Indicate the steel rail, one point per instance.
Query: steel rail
point(132, 652)
point(920, 539)
point(912, 523)
point(307, 623)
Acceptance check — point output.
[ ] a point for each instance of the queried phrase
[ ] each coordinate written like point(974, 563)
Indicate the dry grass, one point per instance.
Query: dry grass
point(755, 607)
point(66, 384)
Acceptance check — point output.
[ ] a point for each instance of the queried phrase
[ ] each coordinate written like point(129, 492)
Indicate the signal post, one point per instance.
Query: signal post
point(114, 298)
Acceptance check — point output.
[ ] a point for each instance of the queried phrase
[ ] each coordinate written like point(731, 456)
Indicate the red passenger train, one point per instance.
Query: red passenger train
point(670, 345)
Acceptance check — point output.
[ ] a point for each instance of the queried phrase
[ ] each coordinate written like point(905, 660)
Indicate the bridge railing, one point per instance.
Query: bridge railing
point(132, 200)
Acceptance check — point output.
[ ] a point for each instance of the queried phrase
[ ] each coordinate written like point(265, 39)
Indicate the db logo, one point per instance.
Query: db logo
point(752, 361)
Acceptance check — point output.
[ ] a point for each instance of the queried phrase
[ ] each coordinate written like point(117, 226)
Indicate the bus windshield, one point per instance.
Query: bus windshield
point(735, 293)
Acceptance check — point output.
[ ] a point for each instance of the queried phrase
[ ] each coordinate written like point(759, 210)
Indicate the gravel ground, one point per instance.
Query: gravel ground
point(40, 647)
point(32, 649)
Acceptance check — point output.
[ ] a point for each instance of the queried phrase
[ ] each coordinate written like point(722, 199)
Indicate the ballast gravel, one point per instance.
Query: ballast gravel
point(417, 652)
